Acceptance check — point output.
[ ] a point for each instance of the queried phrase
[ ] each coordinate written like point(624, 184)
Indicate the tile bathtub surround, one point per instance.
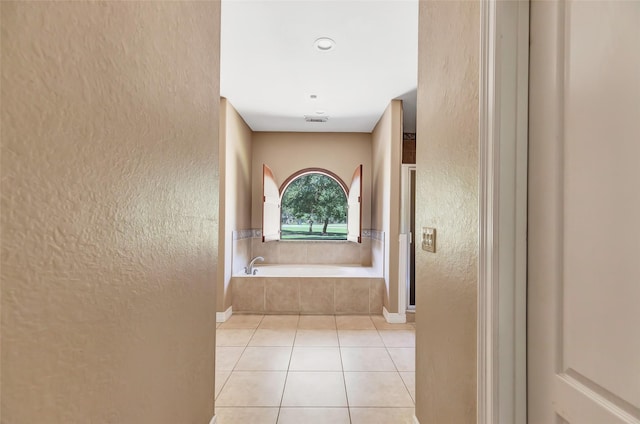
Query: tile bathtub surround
point(241, 255)
point(377, 255)
point(246, 234)
point(307, 295)
point(284, 369)
point(352, 296)
point(247, 294)
point(311, 251)
point(281, 295)
point(317, 297)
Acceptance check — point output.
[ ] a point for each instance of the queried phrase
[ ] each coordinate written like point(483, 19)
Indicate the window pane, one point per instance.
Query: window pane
point(314, 207)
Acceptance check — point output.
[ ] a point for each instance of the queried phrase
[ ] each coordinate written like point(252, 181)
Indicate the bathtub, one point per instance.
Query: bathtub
point(336, 271)
point(309, 289)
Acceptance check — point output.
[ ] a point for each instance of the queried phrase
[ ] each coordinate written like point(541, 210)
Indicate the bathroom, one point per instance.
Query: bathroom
point(355, 277)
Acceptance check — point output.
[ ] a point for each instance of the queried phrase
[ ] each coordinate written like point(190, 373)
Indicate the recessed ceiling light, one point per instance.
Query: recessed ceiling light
point(324, 44)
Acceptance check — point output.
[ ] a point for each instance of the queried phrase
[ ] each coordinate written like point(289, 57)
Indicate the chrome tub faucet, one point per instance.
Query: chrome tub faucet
point(249, 270)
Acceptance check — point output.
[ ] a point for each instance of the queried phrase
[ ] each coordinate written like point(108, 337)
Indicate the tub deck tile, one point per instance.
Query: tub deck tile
point(352, 296)
point(282, 295)
point(317, 296)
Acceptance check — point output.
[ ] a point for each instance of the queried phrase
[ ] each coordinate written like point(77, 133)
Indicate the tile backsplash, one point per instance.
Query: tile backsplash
point(248, 244)
point(308, 251)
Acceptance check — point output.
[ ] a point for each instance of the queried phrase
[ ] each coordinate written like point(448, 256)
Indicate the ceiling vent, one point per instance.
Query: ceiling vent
point(309, 118)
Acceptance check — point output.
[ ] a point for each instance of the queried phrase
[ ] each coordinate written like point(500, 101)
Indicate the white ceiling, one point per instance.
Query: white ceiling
point(269, 66)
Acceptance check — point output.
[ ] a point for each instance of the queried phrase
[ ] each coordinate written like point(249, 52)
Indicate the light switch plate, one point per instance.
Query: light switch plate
point(429, 239)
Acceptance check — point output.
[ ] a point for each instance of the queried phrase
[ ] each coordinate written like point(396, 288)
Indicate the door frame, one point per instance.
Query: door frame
point(406, 236)
point(503, 95)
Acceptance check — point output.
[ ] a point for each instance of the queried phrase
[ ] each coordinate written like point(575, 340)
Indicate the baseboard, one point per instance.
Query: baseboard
point(415, 420)
point(393, 318)
point(224, 316)
point(213, 420)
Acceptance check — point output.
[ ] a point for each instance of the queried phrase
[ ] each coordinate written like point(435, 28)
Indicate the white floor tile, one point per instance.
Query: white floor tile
point(366, 359)
point(314, 416)
point(382, 415)
point(400, 338)
point(268, 337)
point(242, 321)
point(226, 415)
point(227, 357)
point(317, 389)
point(316, 359)
point(403, 357)
point(233, 337)
point(264, 359)
point(316, 338)
point(253, 388)
point(377, 389)
point(359, 338)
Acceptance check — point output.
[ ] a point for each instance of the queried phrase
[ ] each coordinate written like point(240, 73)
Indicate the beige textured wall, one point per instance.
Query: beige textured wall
point(385, 194)
point(235, 190)
point(288, 152)
point(109, 211)
point(447, 198)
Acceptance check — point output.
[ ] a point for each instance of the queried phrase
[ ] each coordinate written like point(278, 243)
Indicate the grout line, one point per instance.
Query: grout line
point(215, 397)
point(286, 377)
point(389, 353)
point(344, 378)
point(233, 369)
point(339, 345)
point(404, 383)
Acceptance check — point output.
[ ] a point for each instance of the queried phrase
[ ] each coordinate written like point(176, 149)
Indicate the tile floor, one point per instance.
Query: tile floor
point(294, 369)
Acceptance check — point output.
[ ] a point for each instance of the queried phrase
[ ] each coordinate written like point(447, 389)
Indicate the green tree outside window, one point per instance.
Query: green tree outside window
point(311, 199)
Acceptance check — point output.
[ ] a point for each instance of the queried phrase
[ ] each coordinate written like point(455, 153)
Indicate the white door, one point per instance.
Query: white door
point(584, 213)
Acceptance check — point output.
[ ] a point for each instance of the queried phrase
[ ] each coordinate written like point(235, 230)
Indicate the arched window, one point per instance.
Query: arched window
point(312, 204)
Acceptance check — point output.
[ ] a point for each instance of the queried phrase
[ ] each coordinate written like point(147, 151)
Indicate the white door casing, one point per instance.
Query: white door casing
point(502, 212)
point(584, 213)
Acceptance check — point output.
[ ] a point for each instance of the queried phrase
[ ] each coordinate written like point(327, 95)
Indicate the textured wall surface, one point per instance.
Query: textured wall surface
point(447, 198)
point(235, 190)
point(286, 153)
point(109, 211)
point(386, 140)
